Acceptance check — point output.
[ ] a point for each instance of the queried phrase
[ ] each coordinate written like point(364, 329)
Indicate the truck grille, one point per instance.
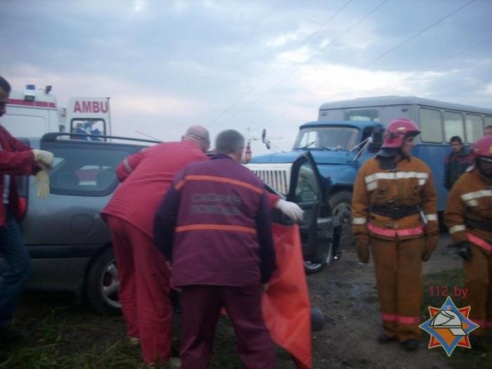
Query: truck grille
point(277, 176)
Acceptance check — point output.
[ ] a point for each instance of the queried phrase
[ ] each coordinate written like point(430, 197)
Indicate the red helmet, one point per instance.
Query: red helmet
point(483, 148)
point(397, 130)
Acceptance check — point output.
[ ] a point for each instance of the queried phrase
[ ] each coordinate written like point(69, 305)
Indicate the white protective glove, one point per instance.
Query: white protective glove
point(43, 182)
point(291, 209)
point(43, 157)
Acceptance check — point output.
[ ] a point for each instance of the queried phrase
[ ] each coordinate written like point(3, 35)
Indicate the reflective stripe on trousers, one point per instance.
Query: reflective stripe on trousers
point(399, 283)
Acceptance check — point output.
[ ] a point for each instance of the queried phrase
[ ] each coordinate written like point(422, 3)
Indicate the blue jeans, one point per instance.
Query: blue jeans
point(15, 273)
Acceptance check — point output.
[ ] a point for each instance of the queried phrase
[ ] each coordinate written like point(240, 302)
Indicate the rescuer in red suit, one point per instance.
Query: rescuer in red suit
point(144, 279)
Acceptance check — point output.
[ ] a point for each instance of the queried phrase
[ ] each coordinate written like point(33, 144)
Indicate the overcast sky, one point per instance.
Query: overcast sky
point(167, 64)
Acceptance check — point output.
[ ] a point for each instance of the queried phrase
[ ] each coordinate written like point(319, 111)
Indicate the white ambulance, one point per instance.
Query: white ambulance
point(33, 112)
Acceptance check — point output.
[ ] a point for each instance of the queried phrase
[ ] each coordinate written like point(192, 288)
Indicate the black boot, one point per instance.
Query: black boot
point(411, 344)
point(383, 338)
point(475, 342)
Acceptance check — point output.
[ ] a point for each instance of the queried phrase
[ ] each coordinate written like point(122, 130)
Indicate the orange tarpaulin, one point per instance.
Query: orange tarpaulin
point(286, 306)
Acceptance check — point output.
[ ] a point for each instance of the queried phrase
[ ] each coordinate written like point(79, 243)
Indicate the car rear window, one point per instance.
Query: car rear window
point(86, 171)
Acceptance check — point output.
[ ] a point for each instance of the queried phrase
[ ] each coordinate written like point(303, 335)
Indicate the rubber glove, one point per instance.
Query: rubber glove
point(43, 183)
point(429, 247)
point(43, 157)
point(291, 209)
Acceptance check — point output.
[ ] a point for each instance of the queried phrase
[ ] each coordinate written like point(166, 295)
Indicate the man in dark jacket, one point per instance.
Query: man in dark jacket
point(214, 226)
point(456, 162)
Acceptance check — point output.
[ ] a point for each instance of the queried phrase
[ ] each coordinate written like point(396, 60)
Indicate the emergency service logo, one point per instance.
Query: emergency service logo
point(449, 326)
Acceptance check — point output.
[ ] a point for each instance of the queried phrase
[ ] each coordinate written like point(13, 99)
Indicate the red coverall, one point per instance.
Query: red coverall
point(470, 199)
point(397, 244)
point(16, 159)
point(215, 224)
point(142, 272)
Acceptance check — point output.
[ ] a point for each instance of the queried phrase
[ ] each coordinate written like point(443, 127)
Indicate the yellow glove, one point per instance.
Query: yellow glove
point(43, 157)
point(43, 183)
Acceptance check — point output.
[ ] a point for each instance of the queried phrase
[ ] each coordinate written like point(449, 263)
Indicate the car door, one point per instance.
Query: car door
point(319, 236)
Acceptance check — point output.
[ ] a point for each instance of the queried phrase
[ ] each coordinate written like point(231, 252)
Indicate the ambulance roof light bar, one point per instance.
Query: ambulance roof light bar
point(29, 94)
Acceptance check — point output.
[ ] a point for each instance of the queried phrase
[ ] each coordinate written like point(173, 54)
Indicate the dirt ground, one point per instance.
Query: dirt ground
point(345, 292)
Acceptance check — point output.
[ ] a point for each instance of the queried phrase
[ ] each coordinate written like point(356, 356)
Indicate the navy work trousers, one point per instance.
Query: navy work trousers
point(201, 307)
point(14, 274)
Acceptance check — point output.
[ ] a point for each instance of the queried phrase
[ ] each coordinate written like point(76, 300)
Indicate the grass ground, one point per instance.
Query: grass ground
point(60, 335)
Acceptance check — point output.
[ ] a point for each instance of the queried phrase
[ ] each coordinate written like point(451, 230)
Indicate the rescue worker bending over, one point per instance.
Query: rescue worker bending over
point(395, 214)
point(468, 216)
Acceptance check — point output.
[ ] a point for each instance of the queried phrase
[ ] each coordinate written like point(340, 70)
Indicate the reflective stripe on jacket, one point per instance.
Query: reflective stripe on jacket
point(470, 198)
point(409, 184)
point(222, 228)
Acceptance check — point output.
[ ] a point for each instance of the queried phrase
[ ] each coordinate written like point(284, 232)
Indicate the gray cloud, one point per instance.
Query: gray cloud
point(246, 63)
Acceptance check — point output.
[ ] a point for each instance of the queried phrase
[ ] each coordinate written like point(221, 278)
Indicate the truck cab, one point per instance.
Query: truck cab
point(339, 148)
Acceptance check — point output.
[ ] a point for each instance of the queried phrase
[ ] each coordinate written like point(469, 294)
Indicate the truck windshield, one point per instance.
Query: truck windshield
point(327, 138)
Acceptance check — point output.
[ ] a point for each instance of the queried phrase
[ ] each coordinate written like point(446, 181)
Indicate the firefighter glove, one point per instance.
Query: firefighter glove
point(43, 157)
point(429, 247)
point(363, 252)
point(43, 183)
point(464, 250)
point(291, 209)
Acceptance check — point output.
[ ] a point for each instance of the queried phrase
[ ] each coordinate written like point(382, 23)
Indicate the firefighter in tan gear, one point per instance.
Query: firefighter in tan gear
point(468, 216)
point(395, 215)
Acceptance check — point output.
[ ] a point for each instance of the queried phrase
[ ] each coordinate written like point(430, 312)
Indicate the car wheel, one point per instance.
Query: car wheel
point(341, 205)
point(312, 267)
point(102, 284)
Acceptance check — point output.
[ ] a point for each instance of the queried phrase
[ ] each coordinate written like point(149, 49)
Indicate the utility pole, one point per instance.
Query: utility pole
point(247, 152)
point(249, 138)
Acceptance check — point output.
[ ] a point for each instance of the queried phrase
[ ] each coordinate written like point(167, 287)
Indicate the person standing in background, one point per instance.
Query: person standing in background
point(16, 159)
point(456, 162)
point(214, 226)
